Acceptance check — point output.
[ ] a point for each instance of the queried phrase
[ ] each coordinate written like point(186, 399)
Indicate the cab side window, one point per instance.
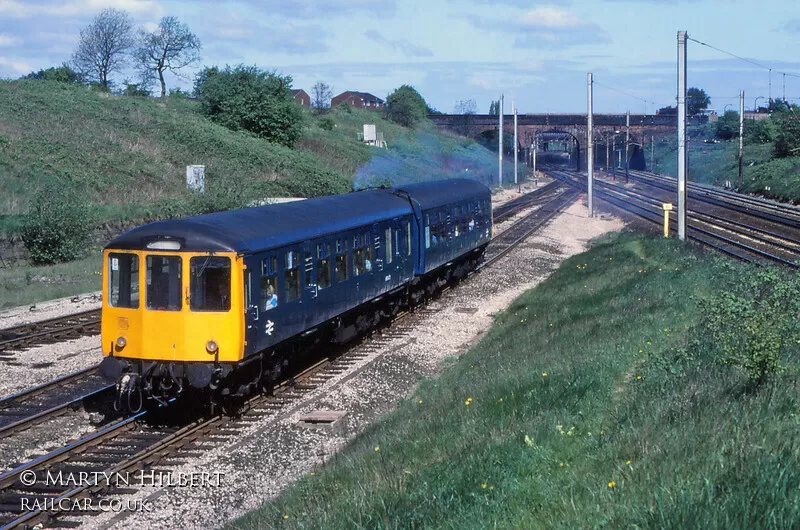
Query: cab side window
point(291, 275)
point(269, 283)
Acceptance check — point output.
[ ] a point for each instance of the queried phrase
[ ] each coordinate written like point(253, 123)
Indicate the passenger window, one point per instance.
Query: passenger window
point(210, 288)
point(341, 260)
point(291, 276)
point(323, 265)
point(389, 253)
point(408, 239)
point(163, 280)
point(428, 236)
point(268, 285)
point(397, 242)
point(269, 292)
point(123, 280)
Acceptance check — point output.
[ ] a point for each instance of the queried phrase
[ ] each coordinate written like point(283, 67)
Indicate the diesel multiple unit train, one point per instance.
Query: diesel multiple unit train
point(219, 303)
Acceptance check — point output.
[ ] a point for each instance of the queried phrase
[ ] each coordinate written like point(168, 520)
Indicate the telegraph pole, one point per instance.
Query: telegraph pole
point(516, 154)
point(682, 158)
point(627, 141)
point(589, 148)
point(741, 139)
point(652, 154)
point(500, 145)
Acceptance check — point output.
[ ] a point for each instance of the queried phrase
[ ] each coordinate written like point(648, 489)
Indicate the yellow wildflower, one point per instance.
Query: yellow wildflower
point(638, 377)
point(544, 374)
point(491, 488)
point(285, 516)
point(627, 462)
point(612, 484)
point(561, 464)
point(483, 486)
point(377, 448)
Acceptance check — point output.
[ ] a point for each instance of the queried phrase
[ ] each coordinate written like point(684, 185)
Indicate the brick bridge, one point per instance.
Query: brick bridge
point(609, 129)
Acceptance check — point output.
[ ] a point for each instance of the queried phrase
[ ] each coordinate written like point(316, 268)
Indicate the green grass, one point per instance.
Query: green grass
point(28, 285)
point(711, 163)
point(129, 154)
point(589, 404)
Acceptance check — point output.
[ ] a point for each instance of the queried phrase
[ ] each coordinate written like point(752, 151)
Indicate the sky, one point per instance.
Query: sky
point(535, 53)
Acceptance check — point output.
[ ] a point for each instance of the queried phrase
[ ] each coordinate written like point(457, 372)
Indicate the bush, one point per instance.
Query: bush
point(787, 139)
point(728, 125)
point(759, 132)
point(405, 106)
point(326, 123)
point(247, 98)
point(58, 224)
point(750, 326)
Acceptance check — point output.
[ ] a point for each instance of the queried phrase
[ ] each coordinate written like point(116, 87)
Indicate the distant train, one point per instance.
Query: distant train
point(219, 303)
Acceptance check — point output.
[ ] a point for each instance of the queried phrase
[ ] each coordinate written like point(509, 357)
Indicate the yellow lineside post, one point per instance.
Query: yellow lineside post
point(667, 206)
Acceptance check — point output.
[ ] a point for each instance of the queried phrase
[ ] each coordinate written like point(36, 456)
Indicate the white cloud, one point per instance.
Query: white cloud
point(18, 66)
point(479, 81)
point(6, 40)
point(546, 17)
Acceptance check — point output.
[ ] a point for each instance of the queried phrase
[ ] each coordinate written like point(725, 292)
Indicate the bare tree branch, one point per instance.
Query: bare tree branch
point(169, 48)
point(103, 45)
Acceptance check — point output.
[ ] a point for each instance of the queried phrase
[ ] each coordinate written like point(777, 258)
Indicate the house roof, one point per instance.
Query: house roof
point(366, 96)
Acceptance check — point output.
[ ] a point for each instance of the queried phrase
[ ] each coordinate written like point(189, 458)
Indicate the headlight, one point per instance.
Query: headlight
point(121, 342)
point(211, 347)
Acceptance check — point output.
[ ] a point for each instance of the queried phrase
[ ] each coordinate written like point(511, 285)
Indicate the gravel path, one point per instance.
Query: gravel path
point(265, 457)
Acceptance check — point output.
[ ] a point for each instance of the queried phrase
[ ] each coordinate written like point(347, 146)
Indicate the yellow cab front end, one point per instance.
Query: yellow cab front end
point(171, 316)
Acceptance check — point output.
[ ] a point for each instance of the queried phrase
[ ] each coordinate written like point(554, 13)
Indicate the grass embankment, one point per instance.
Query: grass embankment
point(129, 154)
point(710, 163)
point(597, 400)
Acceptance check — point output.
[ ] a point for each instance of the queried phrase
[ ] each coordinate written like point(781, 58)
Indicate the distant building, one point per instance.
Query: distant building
point(361, 100)
point(302, 97)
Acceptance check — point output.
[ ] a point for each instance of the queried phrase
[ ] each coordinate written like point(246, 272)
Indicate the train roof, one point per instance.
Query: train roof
point(254, 229)
point(441, 192)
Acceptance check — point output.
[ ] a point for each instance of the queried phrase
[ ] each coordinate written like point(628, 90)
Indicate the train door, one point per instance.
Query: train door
point(310, 287)
point(251, 311)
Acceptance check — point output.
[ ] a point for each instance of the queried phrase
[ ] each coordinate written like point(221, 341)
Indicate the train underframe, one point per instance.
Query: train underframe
point(147, 383)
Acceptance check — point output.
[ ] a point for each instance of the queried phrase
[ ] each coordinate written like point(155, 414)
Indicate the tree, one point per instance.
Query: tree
point(787, 139)
point(103, 46)
point(405, 106)
point(696, 101)
point(466, 108)
point(250, 99)
point(321, 94)
point(494, 108)
point(169, 48)
point(667, 111)
point(60, 74)
point(728, 125)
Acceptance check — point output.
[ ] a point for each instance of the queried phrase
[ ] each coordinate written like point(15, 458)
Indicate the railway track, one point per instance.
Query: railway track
point(534, 198)
point(776, 212)
point(49, 331)
point(746, 238)
point(41, 403)
point(123, 448)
